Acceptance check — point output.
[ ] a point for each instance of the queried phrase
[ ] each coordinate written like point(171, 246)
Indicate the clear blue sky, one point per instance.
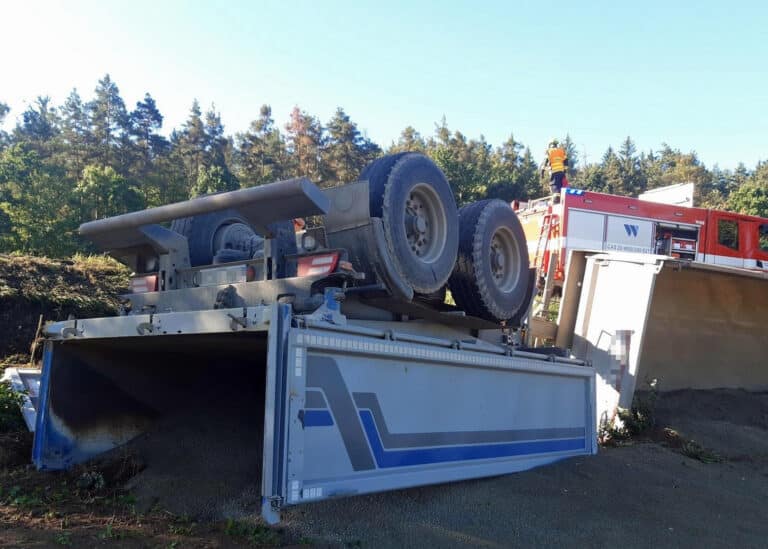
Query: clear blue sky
point(693, 75)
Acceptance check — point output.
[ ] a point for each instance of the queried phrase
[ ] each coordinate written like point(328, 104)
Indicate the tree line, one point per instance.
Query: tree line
point(91, 158)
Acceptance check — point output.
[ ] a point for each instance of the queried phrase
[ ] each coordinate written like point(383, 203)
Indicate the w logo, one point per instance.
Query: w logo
point(631, 229)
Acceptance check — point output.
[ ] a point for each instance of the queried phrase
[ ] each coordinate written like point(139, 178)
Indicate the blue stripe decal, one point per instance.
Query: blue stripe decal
point(423, 456)
point(317, 418)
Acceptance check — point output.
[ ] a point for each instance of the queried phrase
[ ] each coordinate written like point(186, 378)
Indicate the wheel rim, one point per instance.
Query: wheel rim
point(425, 223)
point(232, 234)
point(503, 259)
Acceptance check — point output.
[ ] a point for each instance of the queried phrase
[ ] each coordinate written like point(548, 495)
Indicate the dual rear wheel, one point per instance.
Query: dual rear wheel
point(479, 252)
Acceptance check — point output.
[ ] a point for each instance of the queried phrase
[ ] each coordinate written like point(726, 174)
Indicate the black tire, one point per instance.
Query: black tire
point(418, 211)
point(491, 278)
point(201, 231)
point(376, 173)
point(229, 256)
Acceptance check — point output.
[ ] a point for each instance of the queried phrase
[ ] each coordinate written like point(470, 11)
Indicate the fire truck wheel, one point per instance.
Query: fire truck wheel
point(415, 203)
point(228, 230)
point(491, 278)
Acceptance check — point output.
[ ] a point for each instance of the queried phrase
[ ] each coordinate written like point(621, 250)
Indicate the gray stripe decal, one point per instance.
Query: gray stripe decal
point(323, 372)
point(415, 440)
point(314, 399)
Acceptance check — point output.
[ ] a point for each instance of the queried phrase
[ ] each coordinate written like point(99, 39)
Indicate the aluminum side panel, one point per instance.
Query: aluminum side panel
point(370, 415)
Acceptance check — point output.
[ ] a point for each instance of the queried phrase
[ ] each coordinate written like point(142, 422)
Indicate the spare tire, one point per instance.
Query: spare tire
point(206, 234)
point(415, 203)
point(491, 278)
point(209, 233)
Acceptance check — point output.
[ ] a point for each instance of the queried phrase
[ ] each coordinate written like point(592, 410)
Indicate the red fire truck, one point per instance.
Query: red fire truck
point(590, 221)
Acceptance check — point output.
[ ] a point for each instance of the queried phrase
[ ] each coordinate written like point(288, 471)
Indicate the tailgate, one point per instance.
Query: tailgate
point(367, 413)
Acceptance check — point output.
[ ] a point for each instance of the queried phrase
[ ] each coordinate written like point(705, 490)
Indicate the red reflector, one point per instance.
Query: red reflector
point(312, 265)
point(142, 284)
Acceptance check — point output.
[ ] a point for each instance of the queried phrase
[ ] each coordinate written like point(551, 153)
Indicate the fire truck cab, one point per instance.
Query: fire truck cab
point(597, 222)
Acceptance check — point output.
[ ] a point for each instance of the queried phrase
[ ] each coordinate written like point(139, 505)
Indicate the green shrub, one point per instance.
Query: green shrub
point(11, 419)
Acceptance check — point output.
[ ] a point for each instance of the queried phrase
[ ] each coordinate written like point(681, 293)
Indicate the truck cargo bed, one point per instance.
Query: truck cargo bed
point(331, 409)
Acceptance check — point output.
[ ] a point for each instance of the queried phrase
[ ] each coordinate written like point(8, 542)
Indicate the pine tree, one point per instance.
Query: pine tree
point(39, 126)
point(150, 171)
point(650, 167)
point(573, 156)
point(466, 163)
point(345, 152)
point(507, 181)
point(529, 177)
point(4, 110)
point(262, 156)
point(612, 173)
point(218, 153)
point(146, 121)
point(304, 137)
point(409, 141)
point(189, 145)
point(632, 182)
point(76, 134)
point(109, 124)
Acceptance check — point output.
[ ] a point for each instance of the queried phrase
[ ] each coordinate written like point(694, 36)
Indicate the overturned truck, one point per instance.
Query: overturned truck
point(336, 342)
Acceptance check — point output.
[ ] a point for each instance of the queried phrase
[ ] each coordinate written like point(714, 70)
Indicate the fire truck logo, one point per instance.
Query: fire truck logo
point(631, 229)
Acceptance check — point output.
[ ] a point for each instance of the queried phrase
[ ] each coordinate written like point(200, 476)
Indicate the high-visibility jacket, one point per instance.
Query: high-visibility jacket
point(556, 158)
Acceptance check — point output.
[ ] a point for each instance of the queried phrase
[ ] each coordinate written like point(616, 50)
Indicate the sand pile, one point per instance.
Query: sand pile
point(202, 461)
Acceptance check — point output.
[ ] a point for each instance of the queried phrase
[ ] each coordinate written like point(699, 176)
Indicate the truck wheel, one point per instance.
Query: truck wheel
point(226, 229)
point(415, 203)
point(208, 233)
point(490, 280)
point(376, 173)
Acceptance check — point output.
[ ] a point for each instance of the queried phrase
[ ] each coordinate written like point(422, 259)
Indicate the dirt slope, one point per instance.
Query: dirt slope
point(34, 286)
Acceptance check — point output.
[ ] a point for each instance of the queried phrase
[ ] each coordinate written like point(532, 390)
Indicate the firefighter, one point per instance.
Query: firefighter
point(557, 162)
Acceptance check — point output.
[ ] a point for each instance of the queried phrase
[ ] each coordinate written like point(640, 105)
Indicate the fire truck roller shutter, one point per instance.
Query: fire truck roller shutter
point(491, 278)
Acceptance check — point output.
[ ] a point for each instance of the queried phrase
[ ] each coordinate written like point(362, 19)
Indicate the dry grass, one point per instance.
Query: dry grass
point(82, 280)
